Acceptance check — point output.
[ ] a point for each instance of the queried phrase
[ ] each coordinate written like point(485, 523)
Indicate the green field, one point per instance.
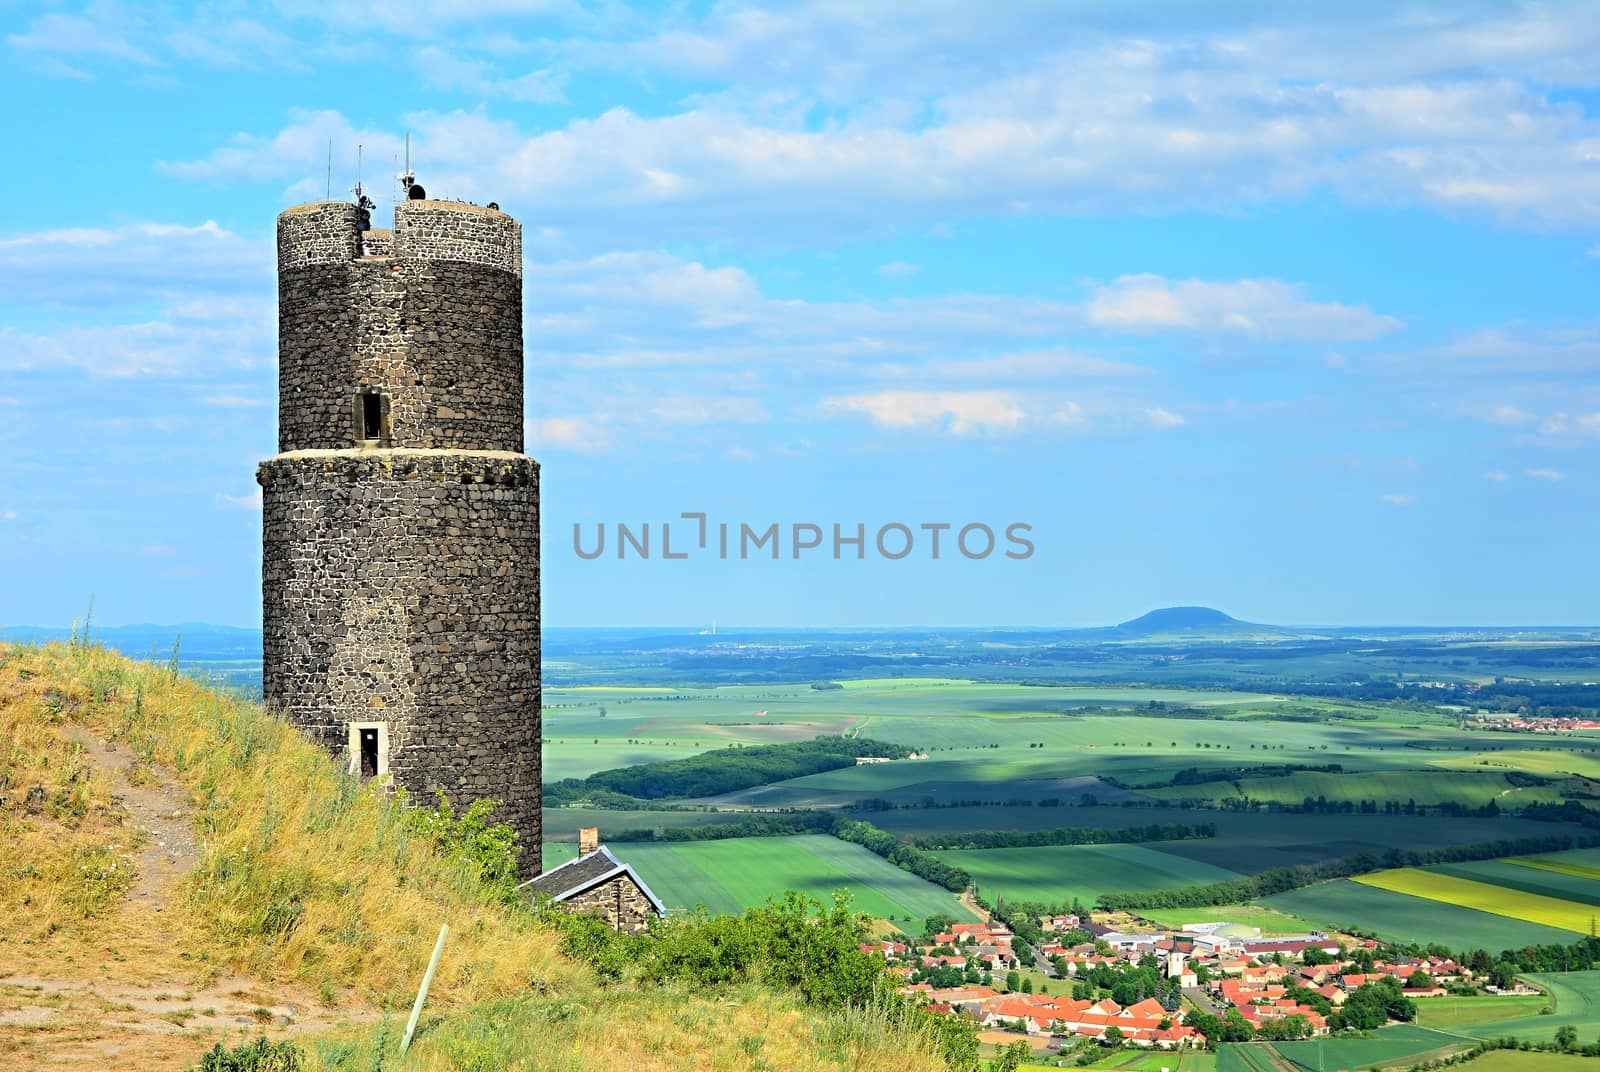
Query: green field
point(1533, 880)
point(1060, 873)
point(1576, 996)
point(732, 875)
point(1398, 1044)
point(1268, 921)
point(1529, 1061)
point(1401, 918)
point(1142, 1061)
point(1471, 787)
point(1467, 1015)
point(562, 824)
point(1434, 885)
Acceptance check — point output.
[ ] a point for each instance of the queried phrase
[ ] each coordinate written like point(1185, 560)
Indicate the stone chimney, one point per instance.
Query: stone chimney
point(588, 840)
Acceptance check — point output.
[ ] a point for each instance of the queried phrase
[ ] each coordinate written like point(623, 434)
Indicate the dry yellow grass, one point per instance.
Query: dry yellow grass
point(303, 876)
point(310, 887)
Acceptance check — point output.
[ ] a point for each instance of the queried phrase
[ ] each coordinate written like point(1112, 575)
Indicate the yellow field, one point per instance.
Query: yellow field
point(1559, 866)
point(1530, 907)
point(1582, 763)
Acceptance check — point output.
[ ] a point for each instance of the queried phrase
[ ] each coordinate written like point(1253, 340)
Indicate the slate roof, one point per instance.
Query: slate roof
point(584, 873)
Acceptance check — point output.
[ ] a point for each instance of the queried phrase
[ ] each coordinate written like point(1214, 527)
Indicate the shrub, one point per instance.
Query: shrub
point(257, 1056)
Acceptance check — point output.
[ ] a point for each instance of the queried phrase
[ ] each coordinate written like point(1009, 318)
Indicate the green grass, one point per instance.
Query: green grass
point(1529, 1061)
point(1394, 1044)
point(1429, 787)
point(732, 875)
point(1144, 1061)
point(1269, 921)
point(1465, 1014)
point(1401, 918)
point(1576, 996)
point(1060, 873)
point(1398, 1044)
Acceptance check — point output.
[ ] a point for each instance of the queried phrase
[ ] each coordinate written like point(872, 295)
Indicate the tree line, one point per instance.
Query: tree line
point(1064, 835)
point(723, 770)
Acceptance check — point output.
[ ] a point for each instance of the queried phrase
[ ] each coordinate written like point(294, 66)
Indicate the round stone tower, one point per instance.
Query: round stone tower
point(400, 566)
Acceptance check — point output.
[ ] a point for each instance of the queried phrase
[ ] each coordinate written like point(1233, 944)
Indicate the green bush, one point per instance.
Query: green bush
point(488, 849)
point(257, 1056)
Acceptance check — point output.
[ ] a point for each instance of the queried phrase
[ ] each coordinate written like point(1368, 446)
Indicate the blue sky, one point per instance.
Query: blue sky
point(1287, 309)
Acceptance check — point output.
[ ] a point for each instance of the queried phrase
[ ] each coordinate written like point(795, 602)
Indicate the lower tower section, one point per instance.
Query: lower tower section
point(401, 615)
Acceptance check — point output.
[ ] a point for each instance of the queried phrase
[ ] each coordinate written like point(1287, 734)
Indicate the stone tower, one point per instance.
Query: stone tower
point(400, 565)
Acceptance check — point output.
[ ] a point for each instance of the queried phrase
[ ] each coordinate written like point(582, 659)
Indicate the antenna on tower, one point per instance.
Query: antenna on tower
point(408, 178)
point(364, 204)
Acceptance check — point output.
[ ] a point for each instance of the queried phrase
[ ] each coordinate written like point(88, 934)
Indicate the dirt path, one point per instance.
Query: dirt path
point(158, 808)
point(123, 996)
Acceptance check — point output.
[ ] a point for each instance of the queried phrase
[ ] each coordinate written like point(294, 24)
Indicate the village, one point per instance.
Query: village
point(1201, 984)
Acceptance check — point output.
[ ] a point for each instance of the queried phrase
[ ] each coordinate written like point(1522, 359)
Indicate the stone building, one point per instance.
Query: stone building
point(596, 883)
point(400, 566)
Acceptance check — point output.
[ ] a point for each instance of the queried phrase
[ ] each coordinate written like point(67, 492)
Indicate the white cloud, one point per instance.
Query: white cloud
point(1522, 350)
point(1577, 424)
point(1162, 418)
point(150, 348)
point(896, 269)
point(586, 434)
point(9, 515)
point(957, 412)
point(1397, 499)
point(233, 401)
point(251, 501)
point(1263, 308)
point(1508, 414)
point(1497, 476)
point(132, 264)
point(1087, 122)
point(1047, 364)
point(1546, 474)
point(693, 409)
point(158, 550)
point(442, 69)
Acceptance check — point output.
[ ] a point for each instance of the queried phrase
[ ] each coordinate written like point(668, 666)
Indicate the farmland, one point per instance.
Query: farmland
point(1468, 1015)
point(1060, 873)
point(730, 876)
point(1575, 996)
point(1402, 918)
point(1435, 885)
point(1398, 1044)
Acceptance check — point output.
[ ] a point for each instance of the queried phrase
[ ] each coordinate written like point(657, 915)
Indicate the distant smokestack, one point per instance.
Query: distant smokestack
point(588, 840)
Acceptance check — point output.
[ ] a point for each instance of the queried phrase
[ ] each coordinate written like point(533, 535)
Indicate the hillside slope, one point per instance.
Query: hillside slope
point(175, 864)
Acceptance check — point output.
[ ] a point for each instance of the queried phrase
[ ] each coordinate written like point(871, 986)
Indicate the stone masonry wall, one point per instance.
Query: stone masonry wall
point(442, 341)
point(322, 232)
point(618, 901)
point(402, 586)
point(450, 231)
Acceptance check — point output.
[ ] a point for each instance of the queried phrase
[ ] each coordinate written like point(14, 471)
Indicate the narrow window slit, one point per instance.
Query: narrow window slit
point(372, 416)
point(369, 752)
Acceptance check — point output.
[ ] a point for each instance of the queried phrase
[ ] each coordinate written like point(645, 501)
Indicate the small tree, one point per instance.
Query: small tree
point(1567, 1037)
point(1114, 1036)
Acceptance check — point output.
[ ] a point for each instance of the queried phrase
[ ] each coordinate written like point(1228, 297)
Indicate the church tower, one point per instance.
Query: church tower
point(400, 565)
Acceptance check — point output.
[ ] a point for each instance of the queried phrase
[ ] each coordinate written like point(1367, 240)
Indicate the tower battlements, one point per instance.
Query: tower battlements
point(329, 232)
point(400, 565)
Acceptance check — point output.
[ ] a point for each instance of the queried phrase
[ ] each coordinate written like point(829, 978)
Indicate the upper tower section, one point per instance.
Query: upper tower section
point(403, 338)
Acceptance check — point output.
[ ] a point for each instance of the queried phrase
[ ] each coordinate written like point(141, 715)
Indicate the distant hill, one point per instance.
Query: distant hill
point(1207, 620)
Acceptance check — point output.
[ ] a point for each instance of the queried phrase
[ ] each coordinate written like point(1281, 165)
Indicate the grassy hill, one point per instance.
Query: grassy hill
point(176, 866)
